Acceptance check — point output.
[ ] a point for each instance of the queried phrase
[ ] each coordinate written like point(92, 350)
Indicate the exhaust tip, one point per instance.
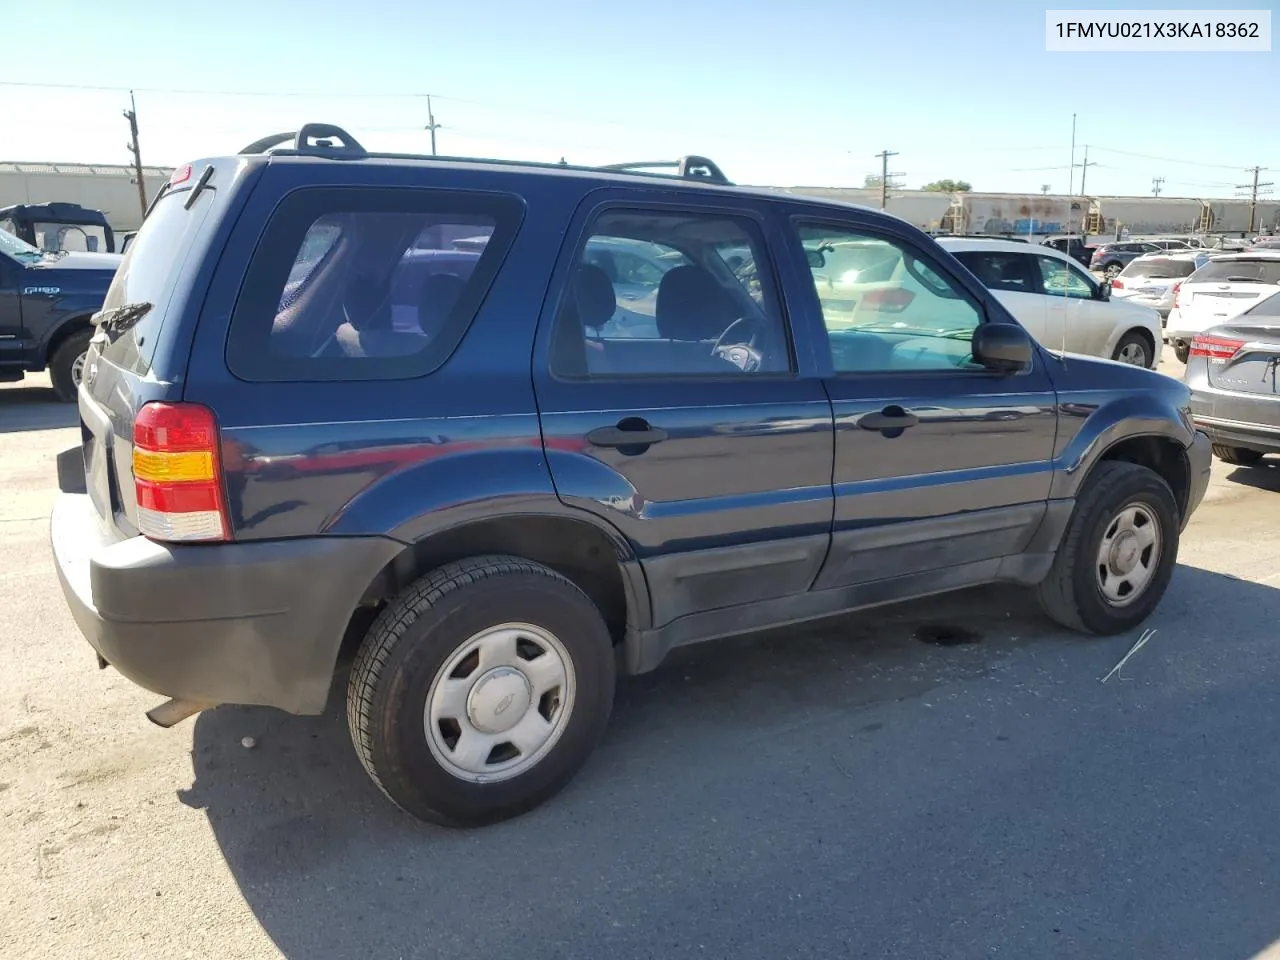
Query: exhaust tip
point(173, 712)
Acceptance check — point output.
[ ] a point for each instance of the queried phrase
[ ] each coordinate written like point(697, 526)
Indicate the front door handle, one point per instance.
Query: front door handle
point(890, 418)
point(631, 432)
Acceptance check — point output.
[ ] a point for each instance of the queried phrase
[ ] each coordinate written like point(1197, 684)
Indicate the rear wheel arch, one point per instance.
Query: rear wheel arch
point(589, 557)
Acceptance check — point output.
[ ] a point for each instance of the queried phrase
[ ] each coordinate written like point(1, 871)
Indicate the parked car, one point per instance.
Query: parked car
point(1222, 289)
point(1150, 279)
point(1265, 243)
point(1059, 303)
point(46, 302)
point(1110, 258)
point(1074, 247)
point(1232, 371)
point(500, 508)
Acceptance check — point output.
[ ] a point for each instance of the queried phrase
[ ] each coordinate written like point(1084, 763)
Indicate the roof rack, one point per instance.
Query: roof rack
point(691, 167)
point(328, 140)
point(316, 139)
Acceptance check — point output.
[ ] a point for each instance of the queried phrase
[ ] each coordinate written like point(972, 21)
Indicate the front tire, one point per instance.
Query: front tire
point(1238, 456)
point(67, 363)
point(481, 690)
point(1112, 270)
point(1117, 556)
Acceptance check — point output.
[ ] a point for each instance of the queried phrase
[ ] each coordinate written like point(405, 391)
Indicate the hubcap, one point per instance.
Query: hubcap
point(1133, 353)
point(1128, 555)
point(77, 368)
point(499, 703)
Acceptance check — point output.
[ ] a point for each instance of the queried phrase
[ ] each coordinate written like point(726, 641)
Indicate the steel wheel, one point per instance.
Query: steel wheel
point(499, 703)
point(1128, 555)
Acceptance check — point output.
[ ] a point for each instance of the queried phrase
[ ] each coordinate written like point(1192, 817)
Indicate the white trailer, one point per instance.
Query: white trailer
point(109, 188)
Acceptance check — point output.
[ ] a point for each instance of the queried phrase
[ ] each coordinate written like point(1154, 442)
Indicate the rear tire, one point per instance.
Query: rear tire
point(1134, 348)
point(431, 691)
point(66, 363)
point(1075, 593)
point(1239, 456)
point(1182, 351)
point(1112, 270)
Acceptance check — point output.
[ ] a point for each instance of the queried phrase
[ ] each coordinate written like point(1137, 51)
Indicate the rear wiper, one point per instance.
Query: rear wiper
point(119, 319)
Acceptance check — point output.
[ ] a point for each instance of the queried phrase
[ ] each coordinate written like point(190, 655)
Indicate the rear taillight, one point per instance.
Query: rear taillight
point(1117, 284)
point(888, 300)
point(1215, 348)
point(1176, 287)
point(177, 473)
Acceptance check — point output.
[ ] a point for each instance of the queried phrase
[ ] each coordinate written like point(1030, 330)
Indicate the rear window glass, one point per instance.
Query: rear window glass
point(1269, 307)
point(148, 274)
point(1159, 268)
point(1240, 271)
point(356, 284)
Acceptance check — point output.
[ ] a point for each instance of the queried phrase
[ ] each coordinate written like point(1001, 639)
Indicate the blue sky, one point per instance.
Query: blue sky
point(801, 93)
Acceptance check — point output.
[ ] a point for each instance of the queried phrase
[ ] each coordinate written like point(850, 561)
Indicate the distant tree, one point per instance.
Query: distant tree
point(872, 181)
point(949, 186)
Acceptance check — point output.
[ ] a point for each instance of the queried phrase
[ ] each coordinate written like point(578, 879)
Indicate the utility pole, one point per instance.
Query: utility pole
point(1044, 189)
point(1156, 184)
point(884, 156)
point(432, 126)
point(132, 116)
point(1254, 189)
point(1084, 171)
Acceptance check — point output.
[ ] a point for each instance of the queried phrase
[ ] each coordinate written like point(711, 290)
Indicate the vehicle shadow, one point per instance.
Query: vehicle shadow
point(1264, 476)
point(835, 789)
point(34, 408)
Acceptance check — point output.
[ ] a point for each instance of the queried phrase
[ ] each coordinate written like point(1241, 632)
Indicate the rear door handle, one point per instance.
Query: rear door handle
point(889, 419)
point(624, 435)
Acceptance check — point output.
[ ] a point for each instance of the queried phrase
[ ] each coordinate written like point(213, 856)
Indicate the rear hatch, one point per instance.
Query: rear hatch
point(135, 356)
point(1151, 279)
point(1224, 289)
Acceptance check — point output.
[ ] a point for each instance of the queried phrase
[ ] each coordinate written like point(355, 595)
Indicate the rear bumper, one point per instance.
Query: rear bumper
point(246, 623)
point(1239, 433)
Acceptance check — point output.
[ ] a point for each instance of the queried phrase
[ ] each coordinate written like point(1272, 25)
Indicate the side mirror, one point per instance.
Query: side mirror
point(1002, 347)
point(1104, 290)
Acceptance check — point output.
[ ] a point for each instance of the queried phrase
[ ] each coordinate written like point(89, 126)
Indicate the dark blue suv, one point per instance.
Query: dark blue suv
point(343, 402)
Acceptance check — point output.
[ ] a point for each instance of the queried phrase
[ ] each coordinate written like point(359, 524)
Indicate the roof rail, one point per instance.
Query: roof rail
point(323, 135)
point(691, 167)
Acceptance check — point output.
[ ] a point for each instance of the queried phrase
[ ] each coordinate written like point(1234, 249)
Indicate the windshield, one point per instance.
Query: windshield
point(1239, 271)
point(1159, 269)
point(18, 248)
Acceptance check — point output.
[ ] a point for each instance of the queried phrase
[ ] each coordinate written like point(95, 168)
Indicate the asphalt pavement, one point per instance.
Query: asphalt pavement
point(843, 789)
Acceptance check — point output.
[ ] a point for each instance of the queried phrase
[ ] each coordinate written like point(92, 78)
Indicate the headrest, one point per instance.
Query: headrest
point(593, 296)
point(692, 305)
point(436, 300)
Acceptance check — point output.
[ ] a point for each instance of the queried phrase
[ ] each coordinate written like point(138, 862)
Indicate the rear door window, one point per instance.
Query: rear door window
point(998, 270)
point(353, 284)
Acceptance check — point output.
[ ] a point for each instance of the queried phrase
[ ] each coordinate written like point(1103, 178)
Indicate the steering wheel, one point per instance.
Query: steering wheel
point(742, 355)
